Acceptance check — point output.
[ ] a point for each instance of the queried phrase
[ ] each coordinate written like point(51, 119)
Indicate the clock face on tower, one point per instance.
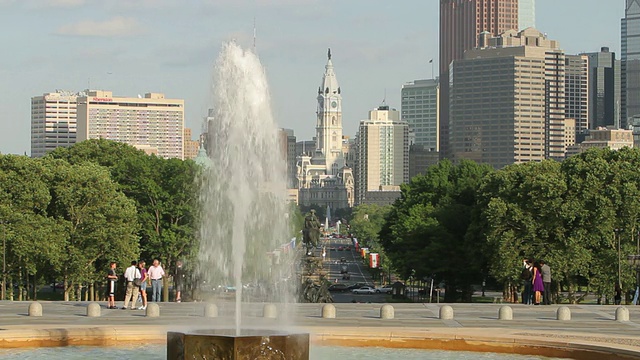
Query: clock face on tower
point(334, 104)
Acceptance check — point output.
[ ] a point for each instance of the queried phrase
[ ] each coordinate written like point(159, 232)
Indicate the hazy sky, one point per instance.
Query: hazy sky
point(137, 46)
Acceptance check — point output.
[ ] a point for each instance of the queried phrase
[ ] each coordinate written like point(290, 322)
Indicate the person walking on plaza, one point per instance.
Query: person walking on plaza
point(538, 285)
point(546, 281)
point(144, 278)
point(131, 275)
point(527, 276)
point(112, 278)
point(156, 273)
point(178, 280)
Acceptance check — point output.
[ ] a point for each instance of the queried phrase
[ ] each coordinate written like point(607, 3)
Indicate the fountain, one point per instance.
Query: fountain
point(244, 222)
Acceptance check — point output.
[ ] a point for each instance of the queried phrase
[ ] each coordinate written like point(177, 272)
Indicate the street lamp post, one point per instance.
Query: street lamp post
point(4, 261)
point(634, 261)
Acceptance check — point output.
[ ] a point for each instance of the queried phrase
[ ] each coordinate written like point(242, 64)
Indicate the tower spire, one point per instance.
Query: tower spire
point(329, 54)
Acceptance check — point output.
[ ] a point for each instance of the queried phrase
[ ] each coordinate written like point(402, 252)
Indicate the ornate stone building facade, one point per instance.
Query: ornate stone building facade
point(323, 177)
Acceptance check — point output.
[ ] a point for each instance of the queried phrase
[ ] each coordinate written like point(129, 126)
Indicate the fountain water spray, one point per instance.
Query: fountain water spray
point(243, 193)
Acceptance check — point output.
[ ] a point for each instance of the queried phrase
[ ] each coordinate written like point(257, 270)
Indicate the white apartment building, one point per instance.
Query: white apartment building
point(382, 155)
point(53, 121)
point(151, 123)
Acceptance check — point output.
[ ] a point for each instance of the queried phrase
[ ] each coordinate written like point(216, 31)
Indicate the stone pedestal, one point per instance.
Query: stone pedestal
point(256, 344)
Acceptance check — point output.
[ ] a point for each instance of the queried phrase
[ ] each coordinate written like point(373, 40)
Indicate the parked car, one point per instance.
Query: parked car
point(385, 290)
point(338, 288)
point(364, 290)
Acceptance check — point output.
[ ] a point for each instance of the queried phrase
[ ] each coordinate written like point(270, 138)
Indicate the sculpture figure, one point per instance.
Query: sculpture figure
point(311, 231)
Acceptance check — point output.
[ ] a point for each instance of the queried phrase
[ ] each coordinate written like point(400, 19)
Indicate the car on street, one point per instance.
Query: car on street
point(364, 290)
point(356, 286)
point(340, 248)
point(338, 287)
point(384, 290)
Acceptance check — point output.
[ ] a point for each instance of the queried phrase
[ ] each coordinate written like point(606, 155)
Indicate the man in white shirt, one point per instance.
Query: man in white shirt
point(130, 275)
point(156, 273)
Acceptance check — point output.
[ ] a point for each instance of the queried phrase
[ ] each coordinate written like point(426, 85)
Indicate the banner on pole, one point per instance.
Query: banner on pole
point(374, 260)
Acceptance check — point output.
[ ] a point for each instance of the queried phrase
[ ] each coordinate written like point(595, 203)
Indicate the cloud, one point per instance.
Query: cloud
point(57, 3)
point(116, 26)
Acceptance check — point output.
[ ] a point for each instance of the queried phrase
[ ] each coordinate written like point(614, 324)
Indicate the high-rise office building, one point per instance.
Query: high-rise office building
point(420, 109)
point(508, 101)
point(604, 89)
point(151, 123)
point(53, 121)
point(577, 90)
point(460, 23)
point(382, 154)
point(630, 62)
point(526, 14)
point(287, 140)
point(191, 147)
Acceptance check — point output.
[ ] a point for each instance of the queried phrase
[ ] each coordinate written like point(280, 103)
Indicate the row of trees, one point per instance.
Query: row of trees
point(464, 223)
point(66, 216)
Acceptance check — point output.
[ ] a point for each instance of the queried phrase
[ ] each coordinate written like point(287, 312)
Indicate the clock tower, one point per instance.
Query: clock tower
point(329, 120)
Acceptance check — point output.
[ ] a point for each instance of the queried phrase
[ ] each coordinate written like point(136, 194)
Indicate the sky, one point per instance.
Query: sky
point(133, 47)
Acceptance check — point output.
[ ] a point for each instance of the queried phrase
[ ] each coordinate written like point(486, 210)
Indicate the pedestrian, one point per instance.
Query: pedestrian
point(546, 281)
point(112, 278)
point(131, 276)
point(538, 285)
point(617, 298)
point(156, 273)
point(178, 280)
point(144, 278)
point(527, 275)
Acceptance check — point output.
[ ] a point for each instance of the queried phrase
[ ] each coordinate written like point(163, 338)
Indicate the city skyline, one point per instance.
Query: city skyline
point(79, 44)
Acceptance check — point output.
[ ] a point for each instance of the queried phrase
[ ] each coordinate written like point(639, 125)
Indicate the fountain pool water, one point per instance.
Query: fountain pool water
point(317, 353)
point(243, 196)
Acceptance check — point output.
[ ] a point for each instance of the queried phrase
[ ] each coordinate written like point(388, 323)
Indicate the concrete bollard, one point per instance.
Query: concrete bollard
point(211, 310)
point(563, 313)
point(387, 312)
point(153, 310)
point(622, 314)
point(446, 312)
point(93, 309)
point(505, 313)
point(270, 311)
point(328, 311)
point(35, 309)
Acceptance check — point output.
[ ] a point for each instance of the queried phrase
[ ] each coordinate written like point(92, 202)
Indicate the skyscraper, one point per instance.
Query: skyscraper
point(53, 121)
point(630, 62)
point(577, 90)
point(508, 101)
point(151, 123)
point(460, 23)
point(604, 89)
point(526, 14)
point(382, 154)
point(420, 109)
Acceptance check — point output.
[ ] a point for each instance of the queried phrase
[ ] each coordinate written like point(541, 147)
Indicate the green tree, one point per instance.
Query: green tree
point(426, 233)
point(99, 223)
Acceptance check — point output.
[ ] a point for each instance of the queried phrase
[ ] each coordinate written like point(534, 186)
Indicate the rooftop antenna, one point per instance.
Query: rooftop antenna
point(384, 100)
point(254, 34)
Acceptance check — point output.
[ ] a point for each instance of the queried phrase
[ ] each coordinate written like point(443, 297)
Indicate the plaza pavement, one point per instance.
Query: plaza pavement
point(590, 327)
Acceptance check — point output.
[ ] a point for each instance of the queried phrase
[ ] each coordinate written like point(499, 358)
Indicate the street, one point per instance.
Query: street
point(336, 249)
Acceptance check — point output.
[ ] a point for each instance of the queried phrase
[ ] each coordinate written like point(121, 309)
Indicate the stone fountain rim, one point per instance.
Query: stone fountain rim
point(576, 345)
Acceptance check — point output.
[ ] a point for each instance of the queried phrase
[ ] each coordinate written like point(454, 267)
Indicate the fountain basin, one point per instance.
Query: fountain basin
point(250, 344)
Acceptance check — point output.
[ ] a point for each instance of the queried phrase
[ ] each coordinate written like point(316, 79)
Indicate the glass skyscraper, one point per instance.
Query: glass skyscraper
point(630, 62)
point(526, 14)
